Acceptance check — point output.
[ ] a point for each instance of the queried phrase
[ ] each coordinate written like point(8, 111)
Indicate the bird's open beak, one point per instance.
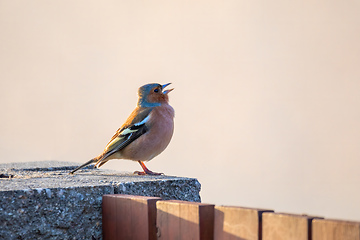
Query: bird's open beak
point(166, 91)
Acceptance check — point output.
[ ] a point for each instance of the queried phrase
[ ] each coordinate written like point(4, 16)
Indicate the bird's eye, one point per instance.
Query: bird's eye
point(156, 90)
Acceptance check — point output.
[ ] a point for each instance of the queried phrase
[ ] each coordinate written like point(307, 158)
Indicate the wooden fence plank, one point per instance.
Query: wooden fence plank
point(124, 217)
point(184, 220)
point(152, 218)
point(135, 217)
point(167, 215)
point(109, 217)
point(280, 226)
point(206, 221)
point(234, 223)
point(335, 229)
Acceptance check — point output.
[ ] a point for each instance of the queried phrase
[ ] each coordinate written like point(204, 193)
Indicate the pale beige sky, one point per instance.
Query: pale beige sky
point(266, 92)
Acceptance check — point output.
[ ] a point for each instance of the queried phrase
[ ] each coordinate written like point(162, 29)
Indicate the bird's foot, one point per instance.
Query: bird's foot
point(146, 170)
point(148, 173)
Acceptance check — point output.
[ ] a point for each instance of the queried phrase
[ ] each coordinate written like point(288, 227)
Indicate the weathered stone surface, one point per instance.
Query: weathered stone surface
point(40, 200)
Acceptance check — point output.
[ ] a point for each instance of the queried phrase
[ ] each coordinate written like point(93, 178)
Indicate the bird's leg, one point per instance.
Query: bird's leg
point(146, 170)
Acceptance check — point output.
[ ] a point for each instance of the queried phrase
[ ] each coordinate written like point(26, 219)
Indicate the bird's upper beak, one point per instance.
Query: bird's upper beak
point(166, 91)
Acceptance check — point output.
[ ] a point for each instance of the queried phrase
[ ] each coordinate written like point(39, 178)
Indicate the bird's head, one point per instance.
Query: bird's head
point(153, 94)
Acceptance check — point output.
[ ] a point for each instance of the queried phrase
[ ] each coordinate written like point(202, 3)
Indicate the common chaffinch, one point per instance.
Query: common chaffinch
point(146, 132)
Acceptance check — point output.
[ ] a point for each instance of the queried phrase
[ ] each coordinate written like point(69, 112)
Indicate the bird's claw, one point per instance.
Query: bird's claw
point(148, 173)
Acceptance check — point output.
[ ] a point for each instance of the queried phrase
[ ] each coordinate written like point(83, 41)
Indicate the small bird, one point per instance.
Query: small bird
point(146, 132)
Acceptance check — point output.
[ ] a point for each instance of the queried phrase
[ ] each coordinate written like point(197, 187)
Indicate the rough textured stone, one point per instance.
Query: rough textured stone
point(41, 200)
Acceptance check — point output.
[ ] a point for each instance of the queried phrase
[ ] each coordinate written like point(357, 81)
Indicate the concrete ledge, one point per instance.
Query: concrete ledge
point(40, 200)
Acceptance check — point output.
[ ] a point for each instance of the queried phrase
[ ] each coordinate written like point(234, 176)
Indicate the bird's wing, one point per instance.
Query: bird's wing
point(133, 128)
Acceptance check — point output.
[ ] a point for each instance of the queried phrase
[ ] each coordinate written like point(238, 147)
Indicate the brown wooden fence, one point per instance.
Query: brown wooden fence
point(136, 217)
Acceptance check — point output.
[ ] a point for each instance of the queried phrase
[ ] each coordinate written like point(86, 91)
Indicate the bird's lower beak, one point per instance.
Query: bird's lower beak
point(166, 91)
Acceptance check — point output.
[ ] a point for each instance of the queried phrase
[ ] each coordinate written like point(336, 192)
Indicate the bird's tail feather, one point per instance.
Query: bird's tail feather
point(84, 165)
point(101, 162)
